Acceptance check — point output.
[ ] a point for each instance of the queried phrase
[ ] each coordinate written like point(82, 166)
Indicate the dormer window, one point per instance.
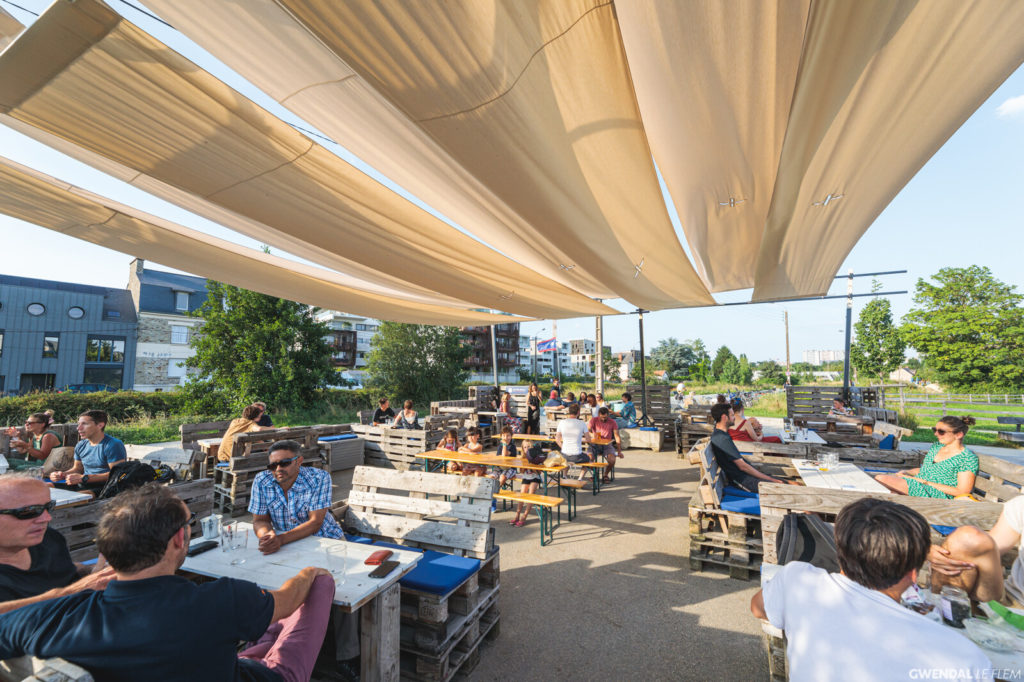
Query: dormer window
point(181, 301)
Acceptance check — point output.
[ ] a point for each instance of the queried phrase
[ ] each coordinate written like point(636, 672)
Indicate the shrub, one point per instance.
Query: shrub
point(907, 420)
point(67, 406)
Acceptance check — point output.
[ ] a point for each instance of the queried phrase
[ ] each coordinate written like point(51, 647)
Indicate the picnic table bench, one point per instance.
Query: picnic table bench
point(543, 504)
point(1014, 436)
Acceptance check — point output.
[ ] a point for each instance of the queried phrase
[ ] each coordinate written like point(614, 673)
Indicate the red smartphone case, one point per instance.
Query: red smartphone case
point(378, 557)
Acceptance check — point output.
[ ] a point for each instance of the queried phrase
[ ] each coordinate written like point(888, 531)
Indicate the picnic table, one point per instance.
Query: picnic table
point(841, 476)
point(865, 424)
point(804, 436)
point(381, 618)
point(69, 498)
point(209, 446)
point(445, 456)
point(536, 437)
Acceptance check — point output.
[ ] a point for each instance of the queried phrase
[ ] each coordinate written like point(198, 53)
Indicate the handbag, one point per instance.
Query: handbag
point(805, 537)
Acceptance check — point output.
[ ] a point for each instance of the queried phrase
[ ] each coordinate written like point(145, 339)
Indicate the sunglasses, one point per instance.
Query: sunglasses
point(32, 422)
point(941, 432)
point(188, 523)
point(271, 466)
point(32, 511)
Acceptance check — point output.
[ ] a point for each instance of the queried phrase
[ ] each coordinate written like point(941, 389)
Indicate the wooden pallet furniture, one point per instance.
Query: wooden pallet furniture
point(393, 448)
point(187, 464)
point(342, 454)
point(544, 505)
point(862, 457)
point(690, 429)
point(658, 410)
point(643, 439)
point(192, 433)
point(439, 406)
point(1013, 436)
point(78, 524)
point(442, 629)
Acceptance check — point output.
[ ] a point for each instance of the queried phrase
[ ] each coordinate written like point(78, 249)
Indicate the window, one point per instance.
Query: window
point(179, 334)
point(98, 349)
point(37, 382)
point(176, 368)
point(76, 313)
point(50, 344)
point(36, 309)
point(107, 376)
point(181, 300)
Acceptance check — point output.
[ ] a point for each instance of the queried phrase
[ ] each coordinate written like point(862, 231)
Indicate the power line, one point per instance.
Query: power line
point(23, 9)
point(147, 13)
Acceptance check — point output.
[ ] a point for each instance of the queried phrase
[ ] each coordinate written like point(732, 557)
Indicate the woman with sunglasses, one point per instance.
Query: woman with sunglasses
point(41, 439)
point(949, 469)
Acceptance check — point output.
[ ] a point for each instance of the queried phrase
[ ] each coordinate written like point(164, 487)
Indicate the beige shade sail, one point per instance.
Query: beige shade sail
point(714, 81)
point(9, 28)
point(91, 84)
point(882, 85)
point(36, 198)
point(515, 119)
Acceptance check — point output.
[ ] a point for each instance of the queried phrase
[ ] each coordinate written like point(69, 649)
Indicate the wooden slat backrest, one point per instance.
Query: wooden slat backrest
point(190, 433)
point(431, 511)
point(891, 429)
point(998, 480)
point(712, 482)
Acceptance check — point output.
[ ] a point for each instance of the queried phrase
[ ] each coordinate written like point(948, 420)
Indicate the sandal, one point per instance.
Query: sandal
point(519, 524)
point(514, 521)
point(606, 479)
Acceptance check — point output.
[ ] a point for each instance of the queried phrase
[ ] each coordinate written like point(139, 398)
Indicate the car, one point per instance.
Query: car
point(87, 388)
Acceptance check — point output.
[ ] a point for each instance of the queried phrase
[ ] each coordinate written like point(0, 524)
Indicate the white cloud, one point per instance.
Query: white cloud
point(1011, 108)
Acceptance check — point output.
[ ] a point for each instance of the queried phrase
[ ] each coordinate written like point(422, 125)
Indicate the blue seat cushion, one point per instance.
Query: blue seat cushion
point(887, 443)
point(742, 505)
point(732, 491)
point(392, 545)
point(944, 530)
point(483, 424)
point(869, 470)
point(648, 428)
point(439, 573)
point(340, 436)
point(358, 538)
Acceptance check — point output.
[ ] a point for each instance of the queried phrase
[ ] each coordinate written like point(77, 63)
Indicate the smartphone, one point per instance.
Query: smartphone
point(196, 550)
point(385, 568)
point(378, 557)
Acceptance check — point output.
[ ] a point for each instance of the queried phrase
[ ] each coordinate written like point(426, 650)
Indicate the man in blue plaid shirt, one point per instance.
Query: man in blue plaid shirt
point(290, 502)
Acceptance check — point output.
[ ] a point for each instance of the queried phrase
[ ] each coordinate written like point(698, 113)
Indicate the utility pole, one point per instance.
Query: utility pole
point(645, 419)
point(849, 322)
point(786, 313)
point(599, 364)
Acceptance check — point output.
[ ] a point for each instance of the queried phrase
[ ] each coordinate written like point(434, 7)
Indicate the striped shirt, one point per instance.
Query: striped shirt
point(310, 492)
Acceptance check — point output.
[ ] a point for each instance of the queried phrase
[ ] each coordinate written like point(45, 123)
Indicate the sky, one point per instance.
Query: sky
point(962, 208)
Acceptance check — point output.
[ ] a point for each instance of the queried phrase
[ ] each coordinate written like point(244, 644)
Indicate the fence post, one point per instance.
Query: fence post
point(903, 404)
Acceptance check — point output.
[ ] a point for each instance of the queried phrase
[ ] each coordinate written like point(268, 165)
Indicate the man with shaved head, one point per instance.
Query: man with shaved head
point(35, 564)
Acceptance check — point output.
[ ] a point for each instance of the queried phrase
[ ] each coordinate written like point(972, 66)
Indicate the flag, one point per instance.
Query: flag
point(546, 346)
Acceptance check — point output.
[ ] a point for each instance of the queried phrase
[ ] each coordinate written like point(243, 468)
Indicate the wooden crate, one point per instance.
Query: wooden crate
point(689, 434)
point(438, 406)
point(78, 524)
point(725, 539)
point(637, 439)
point(343, 454)
point(462, 656)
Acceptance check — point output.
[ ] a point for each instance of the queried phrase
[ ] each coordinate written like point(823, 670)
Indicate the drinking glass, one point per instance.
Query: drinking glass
point(824, 459)
point(227, 532)
point(239, 543)
point(336, 555)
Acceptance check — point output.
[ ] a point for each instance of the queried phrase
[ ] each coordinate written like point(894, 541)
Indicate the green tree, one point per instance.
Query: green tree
point(746, 373)
point(879, 347)
point(611, 366)
point(256, 347)
point(772, 373)
point(722, 356)
point(672, 356)
point(731, 372)
point(417, 362)
point(969, 328)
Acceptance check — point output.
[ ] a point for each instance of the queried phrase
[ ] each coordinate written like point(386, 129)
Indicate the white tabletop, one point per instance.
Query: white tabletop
point(842, 476)
point(66, 497)
point(809, 435)
point(270, 571)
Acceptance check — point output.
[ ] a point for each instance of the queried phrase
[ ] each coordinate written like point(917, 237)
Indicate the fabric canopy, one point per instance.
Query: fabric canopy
point(517, 120)
point(9, 28)
point(782, 129)
point(93, 85)
point(40, 199)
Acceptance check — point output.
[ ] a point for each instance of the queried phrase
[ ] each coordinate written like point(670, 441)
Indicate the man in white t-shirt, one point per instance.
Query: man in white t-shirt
point(970, 558)
point(850, 625)
point(570, 435)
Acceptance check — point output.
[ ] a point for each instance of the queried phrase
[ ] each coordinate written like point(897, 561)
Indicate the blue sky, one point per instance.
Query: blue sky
point(961, 209)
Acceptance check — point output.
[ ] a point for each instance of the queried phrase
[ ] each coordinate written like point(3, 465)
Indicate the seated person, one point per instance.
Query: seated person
point(839, 409)
point(290, 502)
point(738, 472)
point(473, 446)
point(264, 419)
point(35, 564)
point(553, 400)
point(851, 625)
point(407, 418)
point(95, 455)
point(383, 415)
point(603, 427)
point(121, 634)
point(506, 448)
point(570, 435)
point(40, 439)
point(570, 398)
point(245, 424)
point(949, 469)
point(970, 558)
point(744, 429)
point(450, 442)
point(626, 417)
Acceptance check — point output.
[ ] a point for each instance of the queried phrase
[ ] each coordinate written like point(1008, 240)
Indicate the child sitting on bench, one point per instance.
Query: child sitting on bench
point(473, 446)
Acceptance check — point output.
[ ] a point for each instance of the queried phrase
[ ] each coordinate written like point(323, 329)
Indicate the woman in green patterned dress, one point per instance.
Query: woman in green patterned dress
point(948, 470)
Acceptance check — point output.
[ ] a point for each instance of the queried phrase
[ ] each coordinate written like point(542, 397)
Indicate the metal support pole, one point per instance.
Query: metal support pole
point(494, 353)
point(849, 322)
point(599, 364)
point(787, 350)
point(645, 420)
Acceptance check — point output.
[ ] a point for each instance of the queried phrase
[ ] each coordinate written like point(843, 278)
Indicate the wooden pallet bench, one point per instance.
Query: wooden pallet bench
point(441, 627)
point(393, 448)
point(543, 504)
point(78, 524)
point(191, 434)
point(1013, 436)
point(690, 432)
point(658, 410)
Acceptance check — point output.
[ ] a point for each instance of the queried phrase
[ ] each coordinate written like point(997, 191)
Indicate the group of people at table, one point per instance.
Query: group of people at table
point(130, 617)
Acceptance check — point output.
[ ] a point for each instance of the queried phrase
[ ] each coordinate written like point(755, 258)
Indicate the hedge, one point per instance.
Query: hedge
point(67, 406)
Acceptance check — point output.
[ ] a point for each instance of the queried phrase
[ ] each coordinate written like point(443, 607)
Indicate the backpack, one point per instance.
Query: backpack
point(805, 537)
point(127, 475)
point(535, 455)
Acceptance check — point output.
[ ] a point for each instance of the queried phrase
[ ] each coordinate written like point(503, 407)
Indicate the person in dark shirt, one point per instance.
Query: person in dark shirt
point(35, 564)
point(738, 471)
point(264, 419)
point(383, 415)
point(151, 624)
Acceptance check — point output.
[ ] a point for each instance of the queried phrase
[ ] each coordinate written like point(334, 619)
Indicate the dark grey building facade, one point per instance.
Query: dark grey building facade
point(57, 333)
